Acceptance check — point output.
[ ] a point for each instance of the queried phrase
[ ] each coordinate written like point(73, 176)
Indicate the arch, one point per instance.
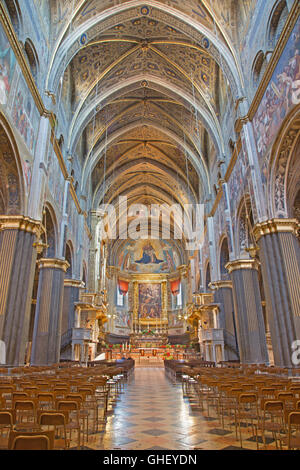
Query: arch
point(258, 68)
point(14, 12)
point(50, 237)
point(66, 48)
point(84, 274)
point(244, 221)
point(69, 256)
point(81, 119)
point(11, 174)
point(276, 22)
point(224, 258)
point(202, 170)
point(284, 162)
point(207, 276)
point(32, 57)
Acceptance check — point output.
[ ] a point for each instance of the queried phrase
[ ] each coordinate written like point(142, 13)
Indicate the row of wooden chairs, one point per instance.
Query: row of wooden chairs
point(264, 402)
point(72, 395)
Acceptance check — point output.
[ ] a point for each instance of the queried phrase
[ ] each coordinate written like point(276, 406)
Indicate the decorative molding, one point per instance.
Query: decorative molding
point(19, 222)
point(216, 285)
point(242, 264)
point(73, 283)
point(53, 263)
point(276, 226)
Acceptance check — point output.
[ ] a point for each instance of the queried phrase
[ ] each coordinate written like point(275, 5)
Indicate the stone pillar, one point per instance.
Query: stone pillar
point(18, 236)
point(47, 325)
point(248, 311)
point(71, 295)
point(280, 261)
point(223, 297)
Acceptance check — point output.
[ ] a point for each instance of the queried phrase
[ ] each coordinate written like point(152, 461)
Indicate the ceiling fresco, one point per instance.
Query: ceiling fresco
point(150, 82)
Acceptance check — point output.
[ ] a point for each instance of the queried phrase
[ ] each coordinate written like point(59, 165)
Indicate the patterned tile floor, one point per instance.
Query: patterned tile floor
point(152, 413)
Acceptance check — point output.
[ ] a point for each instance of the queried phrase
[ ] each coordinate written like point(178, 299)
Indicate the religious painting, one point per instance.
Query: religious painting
point(25, 115)
point(150, 301)
point(7, 67)
point(149, 256)
point(281, 94)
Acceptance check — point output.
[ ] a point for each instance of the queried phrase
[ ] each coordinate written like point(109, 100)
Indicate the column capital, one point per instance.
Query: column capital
point(73, 283)
point(20, 222)
point(53, 263)
point(276, 226)
point(242, 264)
point(216, 285)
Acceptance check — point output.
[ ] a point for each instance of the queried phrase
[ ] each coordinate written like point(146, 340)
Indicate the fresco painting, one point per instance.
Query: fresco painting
point(148, 256)
point(280, 96)
point(7, 67)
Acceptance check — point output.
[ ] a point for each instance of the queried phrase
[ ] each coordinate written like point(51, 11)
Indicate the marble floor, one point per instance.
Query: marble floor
point(152, 413)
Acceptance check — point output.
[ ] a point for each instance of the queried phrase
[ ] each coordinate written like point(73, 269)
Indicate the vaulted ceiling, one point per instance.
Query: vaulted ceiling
point(146, 85)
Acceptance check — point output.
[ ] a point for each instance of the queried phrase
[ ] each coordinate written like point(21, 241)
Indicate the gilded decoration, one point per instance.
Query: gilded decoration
point(150, 300)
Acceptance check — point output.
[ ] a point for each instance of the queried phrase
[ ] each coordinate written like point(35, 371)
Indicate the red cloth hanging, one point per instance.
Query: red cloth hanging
point(175, 287)
point(123, 287)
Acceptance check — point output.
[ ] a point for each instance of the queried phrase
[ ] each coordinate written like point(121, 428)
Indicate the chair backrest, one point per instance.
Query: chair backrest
point(42, 440)
point(273, 406)
point(285, 396)
point(45, 396)
point(19, 396)
point(24, 405)
point(6, 418)
point(67, 405)
point(52, 419)
point(248, 398)
point(294, 418)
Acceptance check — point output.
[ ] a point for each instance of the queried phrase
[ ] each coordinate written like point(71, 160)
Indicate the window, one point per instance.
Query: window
point(120, 298)
point(179, 297)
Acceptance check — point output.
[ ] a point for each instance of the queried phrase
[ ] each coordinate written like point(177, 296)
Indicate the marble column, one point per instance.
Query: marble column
point(47, 326)
point(18, 238)
point(280, 261)
point(223, 296)
point(248, 311)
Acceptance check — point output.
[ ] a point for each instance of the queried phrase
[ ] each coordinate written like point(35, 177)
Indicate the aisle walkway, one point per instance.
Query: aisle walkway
point(152, 414)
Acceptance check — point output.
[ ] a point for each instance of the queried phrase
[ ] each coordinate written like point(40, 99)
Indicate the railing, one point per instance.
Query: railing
point(91, 298)
point(203, 299)
point(66, 339)
point(82, 334)
point(212, 334)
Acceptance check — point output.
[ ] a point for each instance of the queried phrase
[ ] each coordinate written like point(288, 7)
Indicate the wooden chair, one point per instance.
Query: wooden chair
point(247, 411)
point(31, 440)
point(25, 408)
point(58, 421)
point(273, 420)
point(72, 408)
point(292, 441)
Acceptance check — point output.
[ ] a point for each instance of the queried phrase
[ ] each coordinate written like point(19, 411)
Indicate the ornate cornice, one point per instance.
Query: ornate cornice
point(73, 283)
point(276, 226)
point(242, 264)
point(19, 222)
point(53, 263)
point(216, 285)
